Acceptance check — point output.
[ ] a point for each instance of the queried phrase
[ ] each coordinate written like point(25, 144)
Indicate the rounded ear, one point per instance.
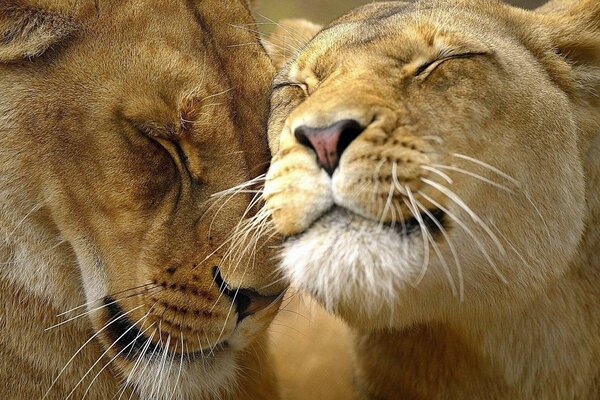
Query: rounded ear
point(27, 29)
point(288, 38)
point(575, 34)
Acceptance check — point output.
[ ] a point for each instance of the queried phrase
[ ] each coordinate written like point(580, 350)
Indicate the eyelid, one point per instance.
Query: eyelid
point(153, 129)
point(282, 85)
point(430, 65)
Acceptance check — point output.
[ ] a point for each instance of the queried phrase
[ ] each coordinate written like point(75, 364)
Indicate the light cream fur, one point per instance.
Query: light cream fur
point(119, 120)
point(490, 114)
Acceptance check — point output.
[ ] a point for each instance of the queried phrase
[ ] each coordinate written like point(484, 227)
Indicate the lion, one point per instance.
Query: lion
point(435, 174)
point(119, 122)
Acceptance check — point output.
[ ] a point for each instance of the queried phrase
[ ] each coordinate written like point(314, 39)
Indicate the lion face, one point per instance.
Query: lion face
point(426, 156)
point(133, 122)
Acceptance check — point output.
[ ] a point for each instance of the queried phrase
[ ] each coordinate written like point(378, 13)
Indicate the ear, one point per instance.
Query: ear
point(290, 36)
point(575, 34)
point(27, 30)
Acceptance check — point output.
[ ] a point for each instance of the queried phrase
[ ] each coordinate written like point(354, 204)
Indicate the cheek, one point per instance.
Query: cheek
point(297, 191)
point(283, 103)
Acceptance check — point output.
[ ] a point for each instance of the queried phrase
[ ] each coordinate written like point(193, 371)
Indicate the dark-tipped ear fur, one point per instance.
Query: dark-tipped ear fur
point(27, 30)
point(572, 28)
point(575, 34)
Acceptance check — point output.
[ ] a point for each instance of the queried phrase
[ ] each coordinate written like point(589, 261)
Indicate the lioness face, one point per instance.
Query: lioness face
point(425, 156)
point(153, 109)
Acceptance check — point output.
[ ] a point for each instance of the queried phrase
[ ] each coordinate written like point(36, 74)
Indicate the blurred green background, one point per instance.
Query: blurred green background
point(322, 11)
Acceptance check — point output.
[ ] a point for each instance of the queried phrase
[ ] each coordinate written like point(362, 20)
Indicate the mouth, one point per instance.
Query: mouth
point(433, 221)
point(133, 342)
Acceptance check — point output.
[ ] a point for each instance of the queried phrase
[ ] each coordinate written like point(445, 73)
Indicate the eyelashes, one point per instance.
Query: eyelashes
point(284, 85)
point(429, 66)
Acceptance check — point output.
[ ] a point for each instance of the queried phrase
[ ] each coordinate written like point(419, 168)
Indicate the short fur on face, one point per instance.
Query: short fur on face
point(461, 225)
point(119, 121)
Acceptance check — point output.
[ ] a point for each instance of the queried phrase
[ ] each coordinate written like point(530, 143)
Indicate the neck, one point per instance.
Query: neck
point(39, 279)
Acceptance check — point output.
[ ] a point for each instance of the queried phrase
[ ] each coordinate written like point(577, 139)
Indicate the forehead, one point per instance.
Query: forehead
point(402, 29)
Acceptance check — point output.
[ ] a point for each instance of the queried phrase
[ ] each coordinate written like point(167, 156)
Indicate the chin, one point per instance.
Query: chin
point(180, 377)
point(358, 268)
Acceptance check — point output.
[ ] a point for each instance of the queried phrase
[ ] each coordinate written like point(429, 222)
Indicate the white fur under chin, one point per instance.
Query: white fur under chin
point(198, 379)
point(347, 259)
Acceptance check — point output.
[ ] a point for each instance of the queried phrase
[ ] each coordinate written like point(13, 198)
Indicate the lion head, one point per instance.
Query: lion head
point(119, 122)
point(430, 158)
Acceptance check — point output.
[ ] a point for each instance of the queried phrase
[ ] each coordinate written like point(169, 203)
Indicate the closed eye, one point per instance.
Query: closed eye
point(165, 136)
point(429, 66)
point(283, 85)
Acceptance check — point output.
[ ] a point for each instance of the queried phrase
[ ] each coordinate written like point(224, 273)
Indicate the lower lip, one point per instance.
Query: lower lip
point(123, 333)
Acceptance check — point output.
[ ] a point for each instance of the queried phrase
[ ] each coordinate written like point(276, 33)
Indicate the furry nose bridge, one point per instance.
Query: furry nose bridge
point(329, 143)
point(247, 302)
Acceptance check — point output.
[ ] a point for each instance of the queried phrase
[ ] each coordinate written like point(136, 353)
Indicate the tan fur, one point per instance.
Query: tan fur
point(515, 313)
point(311, 352)
point(118, 121)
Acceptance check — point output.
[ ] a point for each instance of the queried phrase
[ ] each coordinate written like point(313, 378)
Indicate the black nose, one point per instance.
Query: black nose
point(247, 301)
point(329, 143)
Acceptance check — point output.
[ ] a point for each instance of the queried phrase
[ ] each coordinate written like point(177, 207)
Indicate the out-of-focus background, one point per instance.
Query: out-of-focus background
point(322, 11)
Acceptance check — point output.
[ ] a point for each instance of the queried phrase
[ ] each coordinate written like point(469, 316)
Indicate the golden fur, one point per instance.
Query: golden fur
point(118, 121)
point(487, 115)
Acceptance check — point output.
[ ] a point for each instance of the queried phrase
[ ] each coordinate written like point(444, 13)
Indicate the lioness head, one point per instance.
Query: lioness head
point(432, 154)
point(119, 121)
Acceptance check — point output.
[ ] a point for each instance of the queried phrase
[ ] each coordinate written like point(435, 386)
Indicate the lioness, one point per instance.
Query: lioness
point(118, 121)
point(436, 174)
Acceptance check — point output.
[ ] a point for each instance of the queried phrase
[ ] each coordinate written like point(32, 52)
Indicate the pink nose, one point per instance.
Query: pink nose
point(329, 143)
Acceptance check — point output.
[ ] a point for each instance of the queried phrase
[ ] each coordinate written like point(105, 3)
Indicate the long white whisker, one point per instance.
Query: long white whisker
point(476, 176)
point(91, 311)
point(425, 265)
point(216, 94)
point(452, 250)
point(455, 198)
point(85, 344)
point(438, 172)
point(137, 363)
point(180, 367)
point(132, 344)
point(488, 166)
point(102, 355)
point(102, 298)
point(469, 232)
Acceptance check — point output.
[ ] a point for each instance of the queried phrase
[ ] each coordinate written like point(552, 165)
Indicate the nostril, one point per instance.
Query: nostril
point(351, 129)
point(329, 143)
point(301, 133)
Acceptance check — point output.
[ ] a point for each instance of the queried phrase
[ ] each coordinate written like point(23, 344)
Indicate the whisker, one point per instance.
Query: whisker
point(456, 199)
point(216, 94)
point(438, 172)
point(452, 249)
point(137, 363)
point(112, 295)
point(96, 309)
point(149, 359)
point(476, 176)
point(116, 356)
point(469, 232)
point(104, 354)
point(85, 344)
point(425, 265)
point(488, 166)
point(402, 191)
point(180, 367)
point(292, 32)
